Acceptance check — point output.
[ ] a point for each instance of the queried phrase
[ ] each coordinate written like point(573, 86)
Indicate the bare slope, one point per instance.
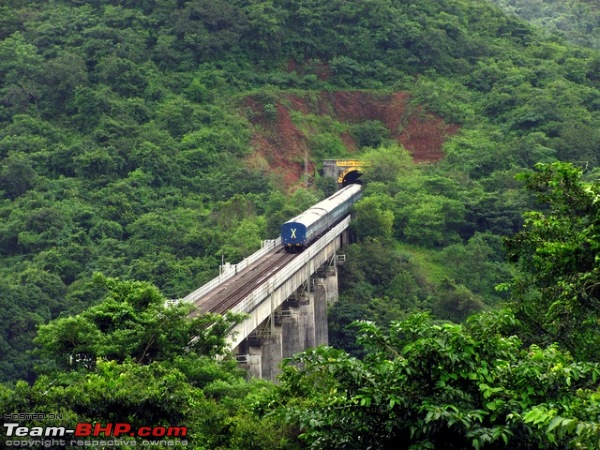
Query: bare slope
point(281, 144)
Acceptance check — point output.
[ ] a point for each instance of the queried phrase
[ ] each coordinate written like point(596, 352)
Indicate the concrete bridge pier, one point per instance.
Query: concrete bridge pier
point(298, 324)
point(270, 351)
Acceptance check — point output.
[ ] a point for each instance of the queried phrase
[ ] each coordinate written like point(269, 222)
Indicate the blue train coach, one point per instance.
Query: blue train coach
point(299, 232)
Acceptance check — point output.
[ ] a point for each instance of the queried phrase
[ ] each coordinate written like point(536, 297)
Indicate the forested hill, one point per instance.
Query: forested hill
point(144, 141)
point(130, 134)
point(576, 20)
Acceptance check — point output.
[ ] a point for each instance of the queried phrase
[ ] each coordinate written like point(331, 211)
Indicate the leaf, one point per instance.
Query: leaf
point(554, 423)
point(365, 401)
point(569, 425)
point(493, 406)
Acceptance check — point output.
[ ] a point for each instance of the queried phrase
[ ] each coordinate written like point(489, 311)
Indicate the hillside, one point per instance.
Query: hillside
point(335, 124)
point(575, 20)
point(126, 128)
point(147, 140)
point(142, 142)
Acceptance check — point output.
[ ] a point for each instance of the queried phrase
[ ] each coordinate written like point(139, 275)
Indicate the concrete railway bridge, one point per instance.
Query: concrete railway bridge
point(285, 297)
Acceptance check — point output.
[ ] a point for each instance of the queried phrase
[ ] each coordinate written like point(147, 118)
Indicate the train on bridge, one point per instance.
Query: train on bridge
point(299, 232)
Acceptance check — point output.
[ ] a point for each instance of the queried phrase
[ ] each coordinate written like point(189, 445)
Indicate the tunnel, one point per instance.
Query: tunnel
point(349, 177)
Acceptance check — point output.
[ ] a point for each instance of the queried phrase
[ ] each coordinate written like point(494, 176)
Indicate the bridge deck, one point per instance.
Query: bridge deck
point(229, 293)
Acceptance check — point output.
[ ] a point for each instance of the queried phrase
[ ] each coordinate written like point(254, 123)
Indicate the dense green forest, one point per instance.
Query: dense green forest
point(144, 141)
point(575, 20)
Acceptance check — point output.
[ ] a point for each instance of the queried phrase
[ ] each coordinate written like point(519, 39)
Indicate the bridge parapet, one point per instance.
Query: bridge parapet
point(232, 270)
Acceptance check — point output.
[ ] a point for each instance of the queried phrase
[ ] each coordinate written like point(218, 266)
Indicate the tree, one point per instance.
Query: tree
point(373, 219)
point(16, 175)
point(431, 220)
point(20, 69)
point(132, 360)
point(557, 293)
point(244, 241)
point(386, 164)
point(479, 264)
point(430, 385)
point(62, 75)
point(455, 302)
point(130, 323)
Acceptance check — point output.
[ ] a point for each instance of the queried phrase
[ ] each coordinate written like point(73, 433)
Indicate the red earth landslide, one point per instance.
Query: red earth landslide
point(284, 146)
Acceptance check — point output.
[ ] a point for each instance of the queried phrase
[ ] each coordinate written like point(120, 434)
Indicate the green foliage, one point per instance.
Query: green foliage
point(17, 176)
point(130, 323)
point(428, 220)
point(430, 385)
point(131, 359)
point(386, 164)
point(455, 303)
point(218, 412)
point(21, 69)
point(556, 294)
point(575, 20)
point(479, 264)
point(478, 152)
point(326, 145)
point(377, 283)
point(245, 240)
point(370, 133)
point(373, 219)
point(445, 97)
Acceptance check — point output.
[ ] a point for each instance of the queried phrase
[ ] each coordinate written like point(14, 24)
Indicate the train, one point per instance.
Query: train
point(299, 232)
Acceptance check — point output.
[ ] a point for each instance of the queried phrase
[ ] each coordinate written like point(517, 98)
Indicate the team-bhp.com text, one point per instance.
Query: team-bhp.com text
point(87, 430)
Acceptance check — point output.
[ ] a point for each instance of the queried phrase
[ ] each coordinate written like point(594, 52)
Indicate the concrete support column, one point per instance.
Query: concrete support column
point(331, 284)
point(326, 293)
point(271, 356)
point(306, 321)
point(254, 362)
point(345, 238)
point(321, 328)
point(260, 353)
point(290, 331)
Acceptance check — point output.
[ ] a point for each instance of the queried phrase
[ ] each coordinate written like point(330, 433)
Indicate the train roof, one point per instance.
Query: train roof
point(325, 206)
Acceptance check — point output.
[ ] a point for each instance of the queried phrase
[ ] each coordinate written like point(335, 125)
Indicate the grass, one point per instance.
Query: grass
point(425, 260)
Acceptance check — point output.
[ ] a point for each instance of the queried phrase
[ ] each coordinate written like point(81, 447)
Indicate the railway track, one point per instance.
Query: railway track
point(228, 294)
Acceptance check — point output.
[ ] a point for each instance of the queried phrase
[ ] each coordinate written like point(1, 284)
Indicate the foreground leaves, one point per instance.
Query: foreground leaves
point(131, 360)
point(130, 323)
point(430, 385)
point(557, 295)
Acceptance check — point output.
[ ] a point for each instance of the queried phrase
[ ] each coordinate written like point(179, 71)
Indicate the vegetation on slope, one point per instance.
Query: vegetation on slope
point(121, 361)
point(575, 20)
point(137, 139)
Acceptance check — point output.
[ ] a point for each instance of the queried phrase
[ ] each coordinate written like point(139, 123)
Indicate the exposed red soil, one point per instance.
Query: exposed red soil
point(284, 146)
point(278, 141)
